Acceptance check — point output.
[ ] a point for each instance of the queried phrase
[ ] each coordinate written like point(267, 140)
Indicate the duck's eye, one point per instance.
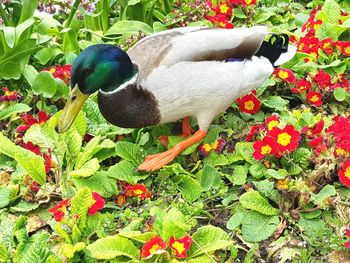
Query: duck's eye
point(73, 97)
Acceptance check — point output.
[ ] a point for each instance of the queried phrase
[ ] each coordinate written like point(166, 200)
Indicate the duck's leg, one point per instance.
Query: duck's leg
point(157, 161)
point(186, 127)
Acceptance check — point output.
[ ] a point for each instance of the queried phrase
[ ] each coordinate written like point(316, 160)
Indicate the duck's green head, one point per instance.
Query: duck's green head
point(99, 67)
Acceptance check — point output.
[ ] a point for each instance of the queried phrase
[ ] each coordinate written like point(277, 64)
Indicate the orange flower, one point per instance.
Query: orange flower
point(264, 147)
point(314, 98)
point(287, 138)
point(285, 74)
point(271, 122)
point(303, 85)
point(153, 247)
point(249, 103)
point(344, 173)
point(180, 246)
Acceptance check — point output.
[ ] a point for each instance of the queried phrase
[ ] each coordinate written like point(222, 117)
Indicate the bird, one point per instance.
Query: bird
point(171, 75)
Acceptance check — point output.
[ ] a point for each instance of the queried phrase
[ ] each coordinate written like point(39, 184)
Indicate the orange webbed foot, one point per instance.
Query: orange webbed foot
point(186, 127)
point(157, 161)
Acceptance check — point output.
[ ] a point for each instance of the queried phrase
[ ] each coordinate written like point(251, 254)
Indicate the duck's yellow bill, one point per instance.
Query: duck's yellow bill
point(74, 104)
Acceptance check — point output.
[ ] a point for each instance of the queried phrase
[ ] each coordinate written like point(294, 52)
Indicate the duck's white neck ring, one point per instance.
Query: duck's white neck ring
point(132, 80)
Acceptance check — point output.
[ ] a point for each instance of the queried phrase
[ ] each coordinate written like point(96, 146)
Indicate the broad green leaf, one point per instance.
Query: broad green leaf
point(13, 109)
point(81, 202)
point(257, 170)
point(246, 150)
point(113, 246)
point(208, 239)
point(339, 94)
point(129, 27)
point(7, 147)
point(137, 235)
point(39, 135)
point(313, 227)
point(174, 223)
point(7, 194)
point(68, 250)
point(89, 150)
point(235, 221)
point(38, 250)
point(280, 174)
point(209, 178)
point(33, 164)
point(88, 169)
point(11, 70)
point(44, 55)
point(129, 151)
point(254, 201)
point(201, 259)
point(76, 234)
point(24, 206)
point(257, 227)
point(267, 188)
point(215, 159)
point(73, 141)
point(99, 182)
point(239, 175)
point(331, 10)
point(321, 198)
point(326, 30)
point(4, 254)
point(189, 187)
point(276, 103)
point(44, 84)
point(29, 72)
point(125, 171)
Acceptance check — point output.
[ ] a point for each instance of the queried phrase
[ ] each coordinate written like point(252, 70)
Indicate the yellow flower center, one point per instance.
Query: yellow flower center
point(224, 8)
point(249, 105)
point(283, 74)
point(222, 24)
point(214, 145)
point(284, 139)
point(207, 147)
point(154, 248)
point(266, 149)
point(138, 192)
point(317, 26)
point(272, 124)
point(180, 247)
point(52, 70)
point(282, 184)
point(347, 50)
point(347, 172)
point(248, 2)
point(314, 98)
point(8, 93)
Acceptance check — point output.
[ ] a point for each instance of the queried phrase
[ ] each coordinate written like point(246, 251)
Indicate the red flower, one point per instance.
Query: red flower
point(323, 79)
point(287, 138)
point(285, 74)
point(220, 20)
point(314, 98)
point(152, 247)
point(264, 147)
point(217, 146)
point(347, 233)
point(344, 47)
point(344, 173)
point(9, 95)
point(317, 129)
point(249, 103)
point(180, 246)
point(35, 187)
point(254, 130)
point(98, 204)
point(303, 85)
point(31, 147)
point(36, 149)
point(309, 45)
point(271, 122)
point(138, 190)
point(224, 8)
point(327, 45)
point(29, 120)
point(318, 145)
point(60, 209)
point(61, 72)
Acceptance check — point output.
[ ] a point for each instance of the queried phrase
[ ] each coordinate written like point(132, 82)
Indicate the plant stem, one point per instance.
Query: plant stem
point(4, 16)
point(72, 12)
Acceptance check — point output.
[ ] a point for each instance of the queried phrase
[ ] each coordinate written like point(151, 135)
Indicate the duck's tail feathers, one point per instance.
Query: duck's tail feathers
point(277, 50)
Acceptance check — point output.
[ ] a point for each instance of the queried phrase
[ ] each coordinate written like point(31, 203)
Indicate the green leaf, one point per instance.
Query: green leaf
point(174, 223)
point(267, 188)
point(11, 70)
point(7, 195)
point(89, 150)
point(246, 150)
point(44, 55)
point(4, 254)
point(113, 246)
point(33, 164)
point(326, 30)
point(209, 178)
point(99, 182)
point(339, 94)
point(24, 206)
point(215, 159)
point(208, 239)
point(321, 198)
point(189, 187)
point(276, 103)
point(257, 227)
point(76, 234)
point(280, 174)
point(88, 169)
point(38, 250)
point(313, 227)
point(137, 235)
point(44, 84)
point(129, 151)
point(39, 135)
point(332, 11)
point(257, 170)
point(7, 147)
point(13, 109)
point(129, 27)
point(125, 171)
point(73, 141)
point(239, 175)
point(81, 202)
point(29, 72)
point(254, 201)
point(235, 221)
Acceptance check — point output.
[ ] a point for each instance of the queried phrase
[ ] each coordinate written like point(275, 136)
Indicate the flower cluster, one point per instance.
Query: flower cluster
point(60, 72)
point(9, 95)
point(157, 246)
point(249, 103)
point(30, 120)
point(223, 12)
point(60, 210)
point(128, 190)
point(276, 141)
point(216, 146)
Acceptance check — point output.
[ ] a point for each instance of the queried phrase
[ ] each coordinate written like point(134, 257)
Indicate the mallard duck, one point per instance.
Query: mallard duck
point(176, 74)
